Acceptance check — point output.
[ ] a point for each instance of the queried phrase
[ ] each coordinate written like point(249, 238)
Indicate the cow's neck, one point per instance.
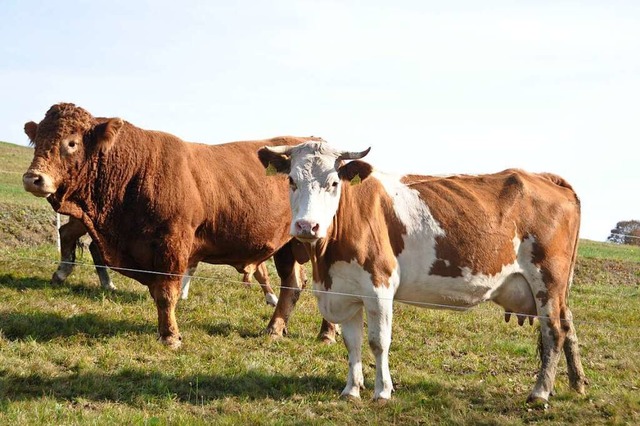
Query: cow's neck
point(365, 230)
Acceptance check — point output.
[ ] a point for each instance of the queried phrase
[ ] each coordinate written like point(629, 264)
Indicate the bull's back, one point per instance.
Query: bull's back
point(245, 212)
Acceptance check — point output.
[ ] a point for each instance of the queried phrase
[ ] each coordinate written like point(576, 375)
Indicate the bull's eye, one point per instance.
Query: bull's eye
point(292, 184)
point(72, 144)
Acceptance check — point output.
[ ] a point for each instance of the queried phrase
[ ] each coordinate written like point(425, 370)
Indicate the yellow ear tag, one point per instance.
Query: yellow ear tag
point(271, 170)
point(355, 180)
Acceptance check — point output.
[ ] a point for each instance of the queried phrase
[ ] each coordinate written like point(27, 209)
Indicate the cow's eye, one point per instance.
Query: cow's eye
point(72, 144)
point(292, 184)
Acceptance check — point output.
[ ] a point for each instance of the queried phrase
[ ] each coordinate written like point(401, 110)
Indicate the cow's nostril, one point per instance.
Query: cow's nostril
point(315, 228)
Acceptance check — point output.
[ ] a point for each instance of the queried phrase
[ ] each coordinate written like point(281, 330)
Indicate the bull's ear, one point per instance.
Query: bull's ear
point(274, 162)
point(355, 171)
point(31, 129)
point(106, 133)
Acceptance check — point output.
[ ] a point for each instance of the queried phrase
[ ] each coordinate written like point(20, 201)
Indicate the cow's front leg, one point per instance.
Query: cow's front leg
point(379, 317)
point(165, 294)
point(352, 336)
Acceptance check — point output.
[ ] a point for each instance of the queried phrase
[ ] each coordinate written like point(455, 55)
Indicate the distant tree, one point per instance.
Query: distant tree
point(626, 232)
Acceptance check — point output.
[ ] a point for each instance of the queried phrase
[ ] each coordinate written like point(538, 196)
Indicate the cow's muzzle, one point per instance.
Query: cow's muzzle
point(306, 231)
point(39, 184)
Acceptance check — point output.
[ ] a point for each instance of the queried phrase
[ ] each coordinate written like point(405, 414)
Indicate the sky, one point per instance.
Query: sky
point(433, 87)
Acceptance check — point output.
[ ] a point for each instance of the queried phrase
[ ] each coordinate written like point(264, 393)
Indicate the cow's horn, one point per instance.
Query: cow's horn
point(353, 155)
point(282, 149)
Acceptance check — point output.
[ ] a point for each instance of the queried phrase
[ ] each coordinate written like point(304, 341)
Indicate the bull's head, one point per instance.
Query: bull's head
point(316, 175)
point(65, 140)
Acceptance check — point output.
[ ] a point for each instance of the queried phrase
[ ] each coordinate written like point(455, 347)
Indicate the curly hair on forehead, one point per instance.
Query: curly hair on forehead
point(64, 119)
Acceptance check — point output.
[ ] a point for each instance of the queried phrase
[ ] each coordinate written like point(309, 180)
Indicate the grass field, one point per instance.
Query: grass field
point(75, 354)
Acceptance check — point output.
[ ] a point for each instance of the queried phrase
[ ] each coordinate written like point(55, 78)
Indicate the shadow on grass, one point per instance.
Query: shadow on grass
point(135, 386)
point(84, 290)
point(45, 326)
point(225, 329)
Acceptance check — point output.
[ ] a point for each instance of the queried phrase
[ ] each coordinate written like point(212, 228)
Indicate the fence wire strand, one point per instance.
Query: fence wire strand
point(308, 290)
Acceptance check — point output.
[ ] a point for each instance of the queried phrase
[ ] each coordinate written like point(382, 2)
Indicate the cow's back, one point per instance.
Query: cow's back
point(480, 216)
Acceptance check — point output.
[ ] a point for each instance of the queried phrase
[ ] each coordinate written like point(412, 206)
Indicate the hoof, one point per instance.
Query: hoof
point(349, 397)
point(276, 328)
point(579, 386)
point(381, 402)
point(172, 342)
point(109, 287)
point(56, 279)
point(274, 333)
point(326, 339)
point(537, 402)
point(271, 299)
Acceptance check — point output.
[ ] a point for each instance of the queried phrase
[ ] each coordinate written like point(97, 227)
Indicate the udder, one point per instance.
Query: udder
point(515, 296)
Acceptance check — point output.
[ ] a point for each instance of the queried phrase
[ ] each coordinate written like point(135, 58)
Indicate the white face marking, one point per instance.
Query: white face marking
point(315, 191)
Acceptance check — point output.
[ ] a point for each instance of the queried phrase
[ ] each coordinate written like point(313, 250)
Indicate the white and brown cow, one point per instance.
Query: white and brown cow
point(153, 202)
point(509, 237)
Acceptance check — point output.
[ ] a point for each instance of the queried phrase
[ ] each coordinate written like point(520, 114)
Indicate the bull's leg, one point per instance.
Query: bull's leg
point(69, 234)
point(186, 282)
point(577, 379)
point(352, 336)
point(101, 270)
point(262, 276)
point(379, 318)
point(293, 279)
point(165, 294)
point(291, 284)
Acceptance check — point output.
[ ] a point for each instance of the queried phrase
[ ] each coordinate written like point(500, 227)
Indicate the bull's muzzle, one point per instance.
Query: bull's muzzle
point(39, 184)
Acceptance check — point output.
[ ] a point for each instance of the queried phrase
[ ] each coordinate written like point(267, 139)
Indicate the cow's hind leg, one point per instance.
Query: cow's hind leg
point(69, 234)
point(165, 294)
point(101, 269)
point(262, 276)
point(577, 378)
point(352, 336)
point(186, 282)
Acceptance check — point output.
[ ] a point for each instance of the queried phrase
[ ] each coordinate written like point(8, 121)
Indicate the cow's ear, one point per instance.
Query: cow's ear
point(106, 133)
point(355, 171)
point(274, 162)
point(31, 128)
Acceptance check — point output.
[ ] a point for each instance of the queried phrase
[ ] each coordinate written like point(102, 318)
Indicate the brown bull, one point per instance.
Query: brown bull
point(153, 202)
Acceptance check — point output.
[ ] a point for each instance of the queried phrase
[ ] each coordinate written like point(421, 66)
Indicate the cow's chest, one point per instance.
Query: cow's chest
point(351, 287)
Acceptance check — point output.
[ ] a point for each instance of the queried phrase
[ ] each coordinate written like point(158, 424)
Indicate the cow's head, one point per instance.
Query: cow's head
point(316, 175)
point(65, 140)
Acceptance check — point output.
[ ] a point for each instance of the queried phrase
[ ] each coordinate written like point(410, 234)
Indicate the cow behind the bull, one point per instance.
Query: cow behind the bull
point(153, 202)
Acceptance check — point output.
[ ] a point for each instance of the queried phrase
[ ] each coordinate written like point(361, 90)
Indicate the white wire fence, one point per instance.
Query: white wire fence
point(308, 290)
